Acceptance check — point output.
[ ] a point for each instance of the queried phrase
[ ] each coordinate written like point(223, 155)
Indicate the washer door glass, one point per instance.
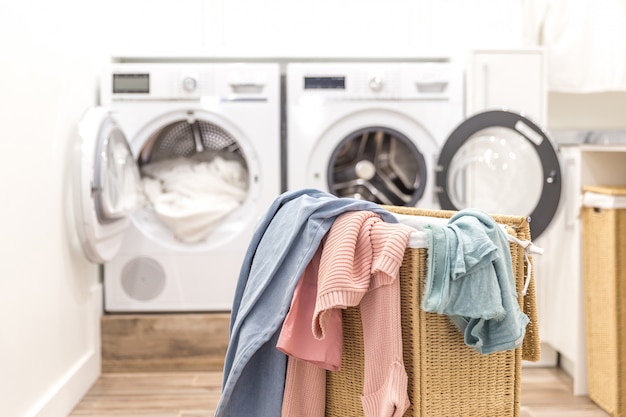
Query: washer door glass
point(502, 163)
point(116, 177)
point(106, 184)
point(380, 165)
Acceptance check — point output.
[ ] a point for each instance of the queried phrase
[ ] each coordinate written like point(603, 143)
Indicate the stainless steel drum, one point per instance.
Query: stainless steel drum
point(378, 164)
point(196, 138)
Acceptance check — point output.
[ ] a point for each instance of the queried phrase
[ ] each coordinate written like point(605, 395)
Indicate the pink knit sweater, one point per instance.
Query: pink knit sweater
point(359, 265)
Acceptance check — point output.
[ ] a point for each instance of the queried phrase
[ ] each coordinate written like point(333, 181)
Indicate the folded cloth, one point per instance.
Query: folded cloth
point(470, 278)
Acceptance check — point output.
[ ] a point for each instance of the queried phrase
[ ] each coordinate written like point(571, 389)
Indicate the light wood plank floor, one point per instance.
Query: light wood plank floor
point(546, 392)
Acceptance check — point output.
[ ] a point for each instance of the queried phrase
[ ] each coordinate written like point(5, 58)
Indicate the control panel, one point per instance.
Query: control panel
point(162, 81)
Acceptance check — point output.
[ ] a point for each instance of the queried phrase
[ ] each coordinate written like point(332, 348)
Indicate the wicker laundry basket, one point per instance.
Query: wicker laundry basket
point(604, 272)
point(446, 377)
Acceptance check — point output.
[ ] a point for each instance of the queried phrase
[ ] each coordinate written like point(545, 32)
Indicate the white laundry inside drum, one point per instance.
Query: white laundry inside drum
point(192, 186)
point(191, 197)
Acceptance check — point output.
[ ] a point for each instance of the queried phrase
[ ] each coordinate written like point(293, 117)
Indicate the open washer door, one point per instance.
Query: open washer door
point(503, 163)
point(106, 185)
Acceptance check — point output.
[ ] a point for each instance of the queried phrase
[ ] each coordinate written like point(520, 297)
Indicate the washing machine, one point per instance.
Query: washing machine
point(396, 133)
point(174, 169)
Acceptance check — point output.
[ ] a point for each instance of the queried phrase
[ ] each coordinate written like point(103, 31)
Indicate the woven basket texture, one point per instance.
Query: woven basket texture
point(604, 283)
point(446, 377)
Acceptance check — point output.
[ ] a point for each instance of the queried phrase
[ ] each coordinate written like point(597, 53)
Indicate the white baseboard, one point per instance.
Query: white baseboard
point(567, 365)
point(71, 387)
point(549, 358)
point(68, 391)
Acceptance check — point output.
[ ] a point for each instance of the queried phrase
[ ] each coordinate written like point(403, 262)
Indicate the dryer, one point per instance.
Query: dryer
point(396, 133)
point(214, 129)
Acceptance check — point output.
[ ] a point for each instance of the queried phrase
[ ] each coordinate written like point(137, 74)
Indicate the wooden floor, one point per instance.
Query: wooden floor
point(169, 365)
point(546, 392)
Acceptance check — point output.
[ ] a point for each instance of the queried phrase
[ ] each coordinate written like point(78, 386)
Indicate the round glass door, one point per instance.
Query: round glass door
point(116, 177)
point(377, 164)
point(502, 163)
point(106, 189)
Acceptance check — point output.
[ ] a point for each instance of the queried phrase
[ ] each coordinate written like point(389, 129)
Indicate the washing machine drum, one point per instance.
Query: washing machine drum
point(377, 164)
point(194, 174)
point(199, 139)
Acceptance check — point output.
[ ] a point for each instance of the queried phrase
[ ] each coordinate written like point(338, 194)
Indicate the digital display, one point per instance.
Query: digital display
point(330, 83)
point(131, 83)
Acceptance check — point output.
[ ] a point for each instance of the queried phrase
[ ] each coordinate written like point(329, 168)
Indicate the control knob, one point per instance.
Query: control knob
point(190, 84)
point(376, 83)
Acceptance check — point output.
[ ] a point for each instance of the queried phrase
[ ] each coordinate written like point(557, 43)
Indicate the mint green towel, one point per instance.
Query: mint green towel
point(470, 278)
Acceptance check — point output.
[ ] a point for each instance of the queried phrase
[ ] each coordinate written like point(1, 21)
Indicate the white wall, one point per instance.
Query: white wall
point(50, 297)
point(50, 56)
point(362, 28)
point(48, 294)
point(590, 111)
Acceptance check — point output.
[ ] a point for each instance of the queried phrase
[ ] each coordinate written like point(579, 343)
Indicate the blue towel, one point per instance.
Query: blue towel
point(470, 278)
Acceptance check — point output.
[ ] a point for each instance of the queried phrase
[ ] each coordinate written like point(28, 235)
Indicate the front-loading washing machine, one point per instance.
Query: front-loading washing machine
point(175, 167)
point(396, 133)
